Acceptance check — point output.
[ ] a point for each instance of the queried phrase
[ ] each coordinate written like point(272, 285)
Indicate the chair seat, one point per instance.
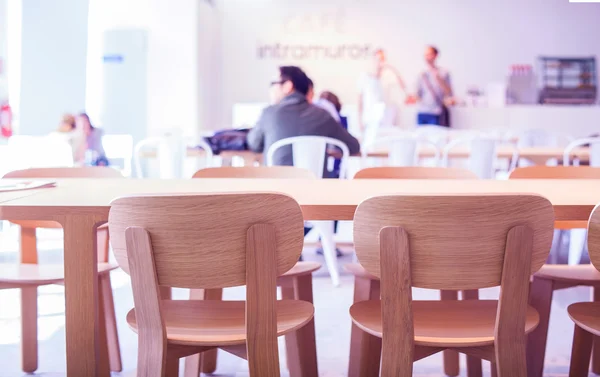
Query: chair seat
point(584, 274)
point(586, 315)
point(358, 270)
point(221, 323)
point(302, 268)
point(469, 323)
point(15, 275)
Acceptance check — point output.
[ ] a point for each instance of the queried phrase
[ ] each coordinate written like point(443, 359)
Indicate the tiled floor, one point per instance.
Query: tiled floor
point(332, 323)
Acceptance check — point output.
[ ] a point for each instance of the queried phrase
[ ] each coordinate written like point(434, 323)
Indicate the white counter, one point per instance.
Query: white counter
point(578, 121)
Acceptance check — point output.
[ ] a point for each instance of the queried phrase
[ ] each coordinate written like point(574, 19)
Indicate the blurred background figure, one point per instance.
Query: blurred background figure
point(94, 152)
point(375, 106)
point(67, 130)
point(434, 92)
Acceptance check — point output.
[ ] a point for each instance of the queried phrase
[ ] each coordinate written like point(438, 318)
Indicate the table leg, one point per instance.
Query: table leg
point(451, 359)
point(596, 349)
point(540, 298)
point(84, 352)
point(365, 349)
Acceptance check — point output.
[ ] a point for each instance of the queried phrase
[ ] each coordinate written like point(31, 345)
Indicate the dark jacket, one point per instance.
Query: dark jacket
point(294, 116)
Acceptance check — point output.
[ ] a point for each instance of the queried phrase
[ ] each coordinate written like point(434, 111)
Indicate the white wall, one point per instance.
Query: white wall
point(53, 57)
point(478, 40)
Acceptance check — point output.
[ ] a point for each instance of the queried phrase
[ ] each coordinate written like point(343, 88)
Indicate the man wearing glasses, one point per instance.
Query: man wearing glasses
point(292, 115)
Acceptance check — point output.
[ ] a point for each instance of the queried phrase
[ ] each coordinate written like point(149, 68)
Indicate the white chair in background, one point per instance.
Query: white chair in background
point(578, 237)
point(119, 147)
point(310, 152)
point(482, 155)
point(171, 151)
point(403, 149)
point(436, 134)
point(542, 138)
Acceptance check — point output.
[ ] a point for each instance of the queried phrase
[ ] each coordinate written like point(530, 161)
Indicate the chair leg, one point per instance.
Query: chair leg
point(301, 345)
point(325, 229)
point(172, 367)
point(596, 347)
point(540, 298)
point(474, 365)
point(365, 349)
point(209, 358)
point(451, 357)
point(494, 369)
point(29, 333)
point(581, 353)
point(577, 242)
point(110, 318)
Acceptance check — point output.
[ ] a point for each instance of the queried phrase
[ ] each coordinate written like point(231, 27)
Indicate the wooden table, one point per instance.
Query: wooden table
point(81, 205)
point(539, 155)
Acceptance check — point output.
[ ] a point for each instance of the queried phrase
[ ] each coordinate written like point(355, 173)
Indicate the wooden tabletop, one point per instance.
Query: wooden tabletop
point(328, 199)
point(537, 154)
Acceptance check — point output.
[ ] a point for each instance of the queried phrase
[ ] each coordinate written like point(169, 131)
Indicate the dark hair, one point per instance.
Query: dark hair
point(297, 77)
point(434, 49)
point(87, 117)
point(311, 84)
point(333, 99)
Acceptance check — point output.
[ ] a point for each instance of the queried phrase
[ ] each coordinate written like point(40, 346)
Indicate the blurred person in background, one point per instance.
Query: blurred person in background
point(434, 92)
point(374, 105)
point(293, 115)
point(94, 151)
point(68, 131)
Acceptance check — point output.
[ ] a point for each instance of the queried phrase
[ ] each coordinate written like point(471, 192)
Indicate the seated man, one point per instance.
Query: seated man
point(292, 115)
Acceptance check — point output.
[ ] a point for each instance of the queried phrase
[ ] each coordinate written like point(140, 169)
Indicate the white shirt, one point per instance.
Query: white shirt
point(373, 95)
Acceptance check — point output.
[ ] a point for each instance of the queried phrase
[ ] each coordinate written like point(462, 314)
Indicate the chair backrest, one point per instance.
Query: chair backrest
point(414, 173)
point(543, 138)
point(75, 172)
point(593, 241)
point(436, 134)
point(556, 172)
point(443, 252)
point(119, 147)
point(204, 244)
point(280, 172)
point(482, 155)
point(309, 152)
point(403, 149)
point(594, 145)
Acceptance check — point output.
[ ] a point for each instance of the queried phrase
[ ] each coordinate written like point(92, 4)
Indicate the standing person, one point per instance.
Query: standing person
point(434, 92)
point(68, 131)
point(293, 115)
point(93, 141)
point(373, 105)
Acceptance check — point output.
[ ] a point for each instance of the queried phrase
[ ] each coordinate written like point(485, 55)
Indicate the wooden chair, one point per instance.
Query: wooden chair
point(554, 277)
point(427, 242)
point(295, 284)
point(414, 173)
point(364, 349)
point(28, 275)
point(204, 247)
point(586, 315)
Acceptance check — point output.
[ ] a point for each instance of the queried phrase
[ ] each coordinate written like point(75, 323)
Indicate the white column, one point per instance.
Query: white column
point(3, 50)
point(53, 62)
